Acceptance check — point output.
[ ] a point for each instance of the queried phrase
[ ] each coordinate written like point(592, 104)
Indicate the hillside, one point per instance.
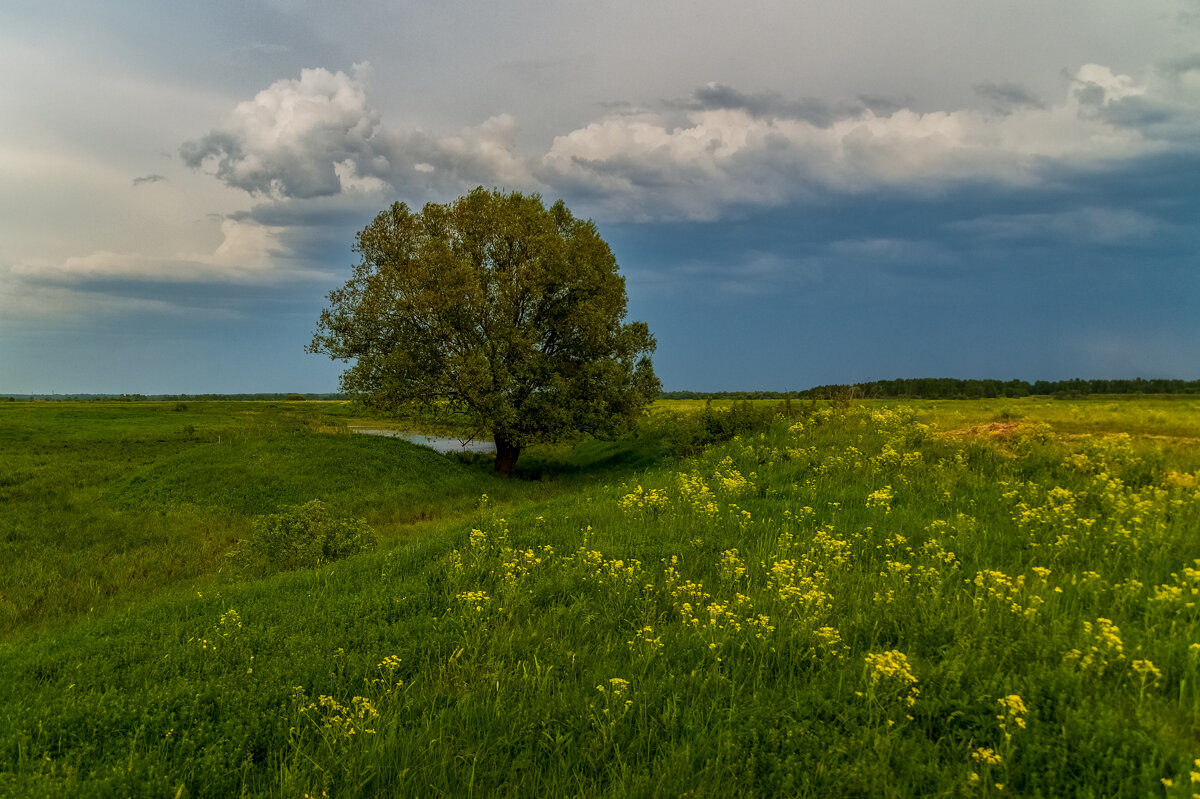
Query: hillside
point(862, 600)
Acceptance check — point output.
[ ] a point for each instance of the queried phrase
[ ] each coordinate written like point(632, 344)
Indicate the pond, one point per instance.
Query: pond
point(437, 443)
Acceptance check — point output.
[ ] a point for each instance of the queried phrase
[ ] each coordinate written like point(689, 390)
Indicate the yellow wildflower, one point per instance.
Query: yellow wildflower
point(987, 756)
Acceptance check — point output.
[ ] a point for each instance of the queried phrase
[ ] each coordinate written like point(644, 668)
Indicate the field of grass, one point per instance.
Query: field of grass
point(874, 599)
point(103, 502)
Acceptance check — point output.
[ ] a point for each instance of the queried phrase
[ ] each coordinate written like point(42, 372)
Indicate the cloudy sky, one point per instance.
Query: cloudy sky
point(798, 192)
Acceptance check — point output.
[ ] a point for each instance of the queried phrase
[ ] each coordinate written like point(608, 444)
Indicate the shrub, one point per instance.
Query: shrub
point(689, 434)
point(301, 537)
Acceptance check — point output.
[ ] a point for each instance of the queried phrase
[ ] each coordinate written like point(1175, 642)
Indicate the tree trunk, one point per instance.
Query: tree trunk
point(506, 456)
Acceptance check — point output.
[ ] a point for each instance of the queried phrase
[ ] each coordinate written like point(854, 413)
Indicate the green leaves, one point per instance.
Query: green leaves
point(497, 305)
point(304, 536)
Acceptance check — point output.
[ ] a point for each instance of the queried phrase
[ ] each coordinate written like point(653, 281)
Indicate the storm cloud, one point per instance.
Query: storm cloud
point(797, 193)
point(715, 151)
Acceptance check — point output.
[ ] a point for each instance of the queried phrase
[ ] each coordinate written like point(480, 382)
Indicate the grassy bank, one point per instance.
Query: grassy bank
point(945, 599)
point(107, 502)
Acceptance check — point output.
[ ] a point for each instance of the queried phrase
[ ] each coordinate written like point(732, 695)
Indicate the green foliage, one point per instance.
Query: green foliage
point(951, 388)
point(871, 600)
point(689, 431)
point(107, 503)
point(302, 537)
point(267, 470)
point(496, 305)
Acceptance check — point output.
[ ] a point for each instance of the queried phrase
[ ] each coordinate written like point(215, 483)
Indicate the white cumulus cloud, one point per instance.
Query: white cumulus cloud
point(289, 139)
point(317, 137)
point(696, 158)
point(647, 164)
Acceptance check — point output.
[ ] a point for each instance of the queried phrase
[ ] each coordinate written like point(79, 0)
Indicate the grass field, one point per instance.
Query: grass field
point(103, 502)
point(875, 599)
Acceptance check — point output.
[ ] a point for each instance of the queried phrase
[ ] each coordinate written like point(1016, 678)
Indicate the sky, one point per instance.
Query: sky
point(798, 192)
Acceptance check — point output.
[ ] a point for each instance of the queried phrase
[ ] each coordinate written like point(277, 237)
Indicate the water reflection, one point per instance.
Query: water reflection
point(438, 443)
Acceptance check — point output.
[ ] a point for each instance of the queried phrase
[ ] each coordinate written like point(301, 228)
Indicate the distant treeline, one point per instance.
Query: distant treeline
point(951, 388)
point(915, 388)
point(280, 397)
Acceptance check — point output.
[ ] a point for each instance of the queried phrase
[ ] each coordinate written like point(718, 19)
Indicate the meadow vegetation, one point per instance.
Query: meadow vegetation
point(104, 502)
point(909, 598)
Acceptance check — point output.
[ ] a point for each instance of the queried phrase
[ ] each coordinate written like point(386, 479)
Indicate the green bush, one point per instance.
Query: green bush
point(688, 434)
point(301, 537)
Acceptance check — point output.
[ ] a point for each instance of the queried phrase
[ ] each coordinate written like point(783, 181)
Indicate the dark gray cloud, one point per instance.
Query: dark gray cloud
point(1090, 95)
point(1165, 107)
point(1007, 96)
point(883, 106)
point(719, 97)
point(143, 180)
point(1169, 116)
point(303, 171)
point(1151, 116)
point(1182, 64)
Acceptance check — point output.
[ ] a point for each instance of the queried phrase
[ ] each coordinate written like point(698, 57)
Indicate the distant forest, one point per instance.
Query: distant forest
point(951, 388)
point(915, 388)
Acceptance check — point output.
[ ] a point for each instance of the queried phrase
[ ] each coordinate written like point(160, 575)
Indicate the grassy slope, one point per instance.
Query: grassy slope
point(104, 502)
point(722, 672)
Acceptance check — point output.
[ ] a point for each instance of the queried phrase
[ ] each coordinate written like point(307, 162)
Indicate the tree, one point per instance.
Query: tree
point(497, 306)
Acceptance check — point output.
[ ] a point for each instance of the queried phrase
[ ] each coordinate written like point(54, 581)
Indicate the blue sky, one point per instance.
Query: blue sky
point(798, 193)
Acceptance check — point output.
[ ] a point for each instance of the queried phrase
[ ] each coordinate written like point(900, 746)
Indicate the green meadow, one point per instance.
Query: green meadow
point(902, 598)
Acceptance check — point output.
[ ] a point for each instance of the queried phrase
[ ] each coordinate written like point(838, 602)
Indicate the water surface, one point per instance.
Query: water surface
point(437, 443)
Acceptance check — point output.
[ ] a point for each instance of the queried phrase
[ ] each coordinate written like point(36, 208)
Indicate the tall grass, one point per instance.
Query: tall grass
point(103, 503)
point(873, 600)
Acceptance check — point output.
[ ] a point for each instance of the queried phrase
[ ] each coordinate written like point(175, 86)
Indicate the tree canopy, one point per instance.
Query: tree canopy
point(495, 305)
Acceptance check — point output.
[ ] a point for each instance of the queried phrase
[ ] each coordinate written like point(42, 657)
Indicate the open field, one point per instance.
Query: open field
point(107, 501)
point(927, 598)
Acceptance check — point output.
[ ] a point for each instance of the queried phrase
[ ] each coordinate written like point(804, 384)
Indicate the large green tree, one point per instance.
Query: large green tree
point(498, 306)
